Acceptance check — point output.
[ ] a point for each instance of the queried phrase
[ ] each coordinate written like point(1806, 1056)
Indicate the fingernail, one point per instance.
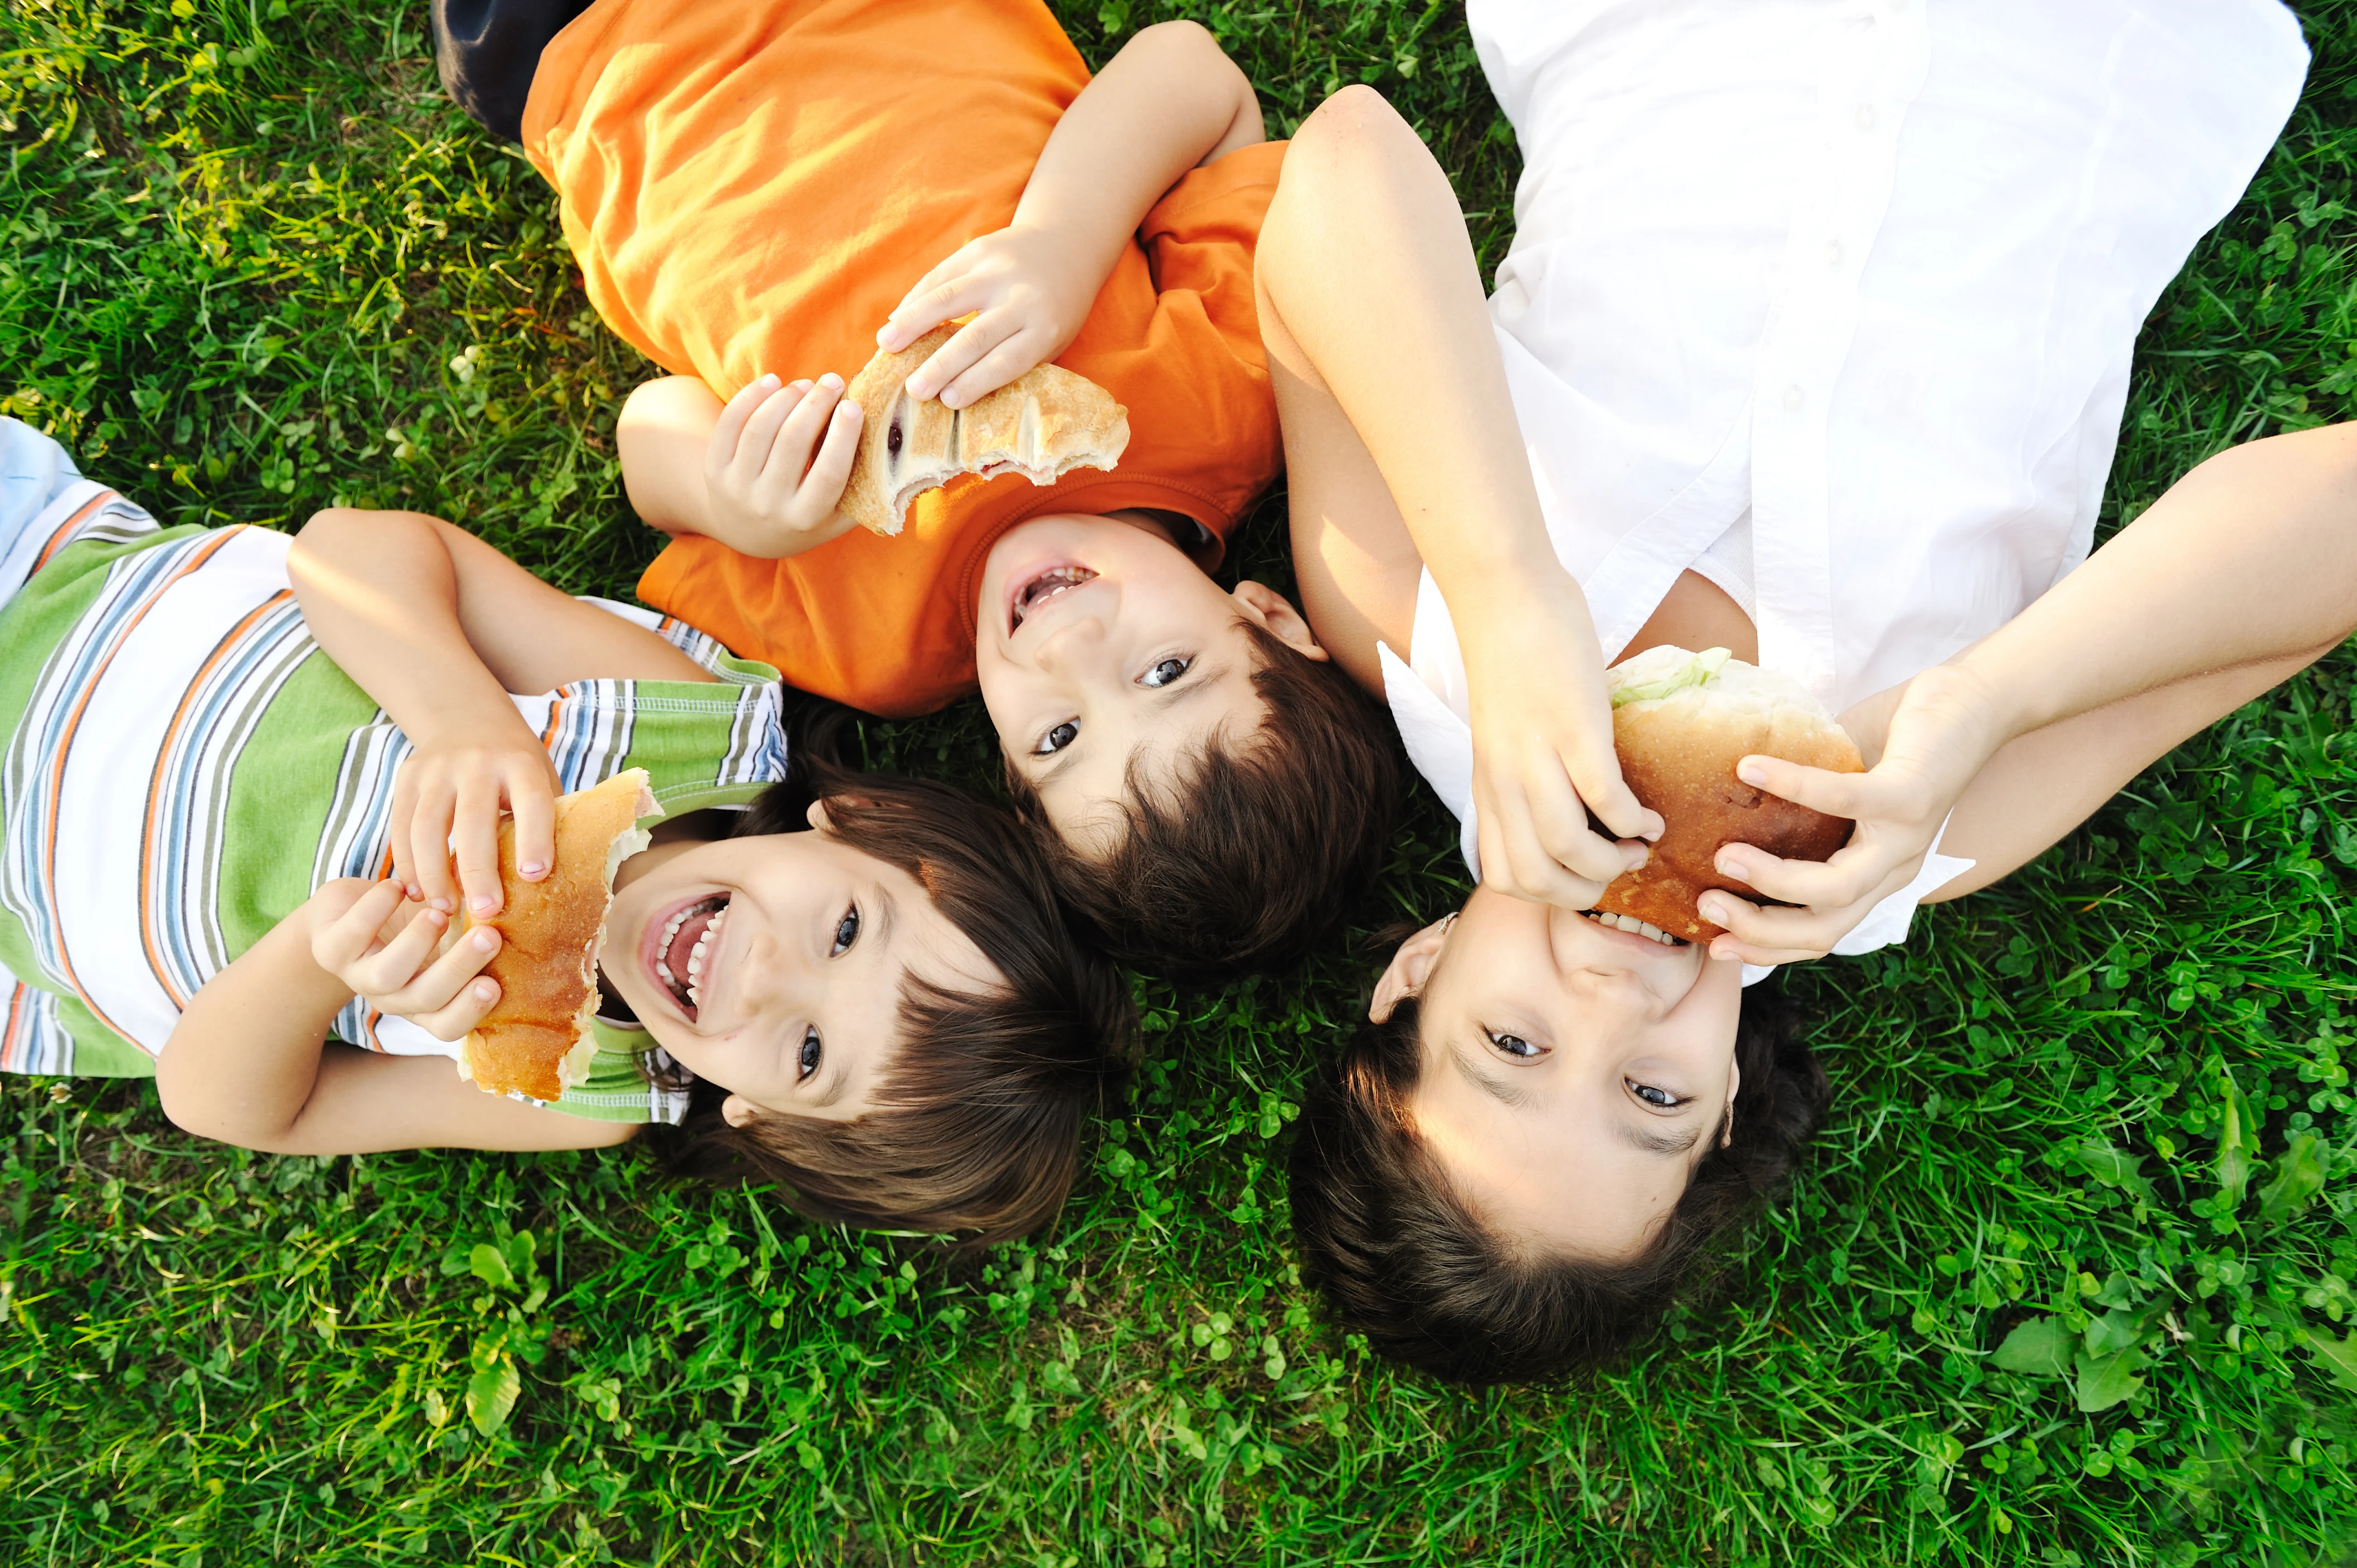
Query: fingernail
point(533, 869)
point(769, 379)
point(436, 918)
point(831, 381)
point(411, 891)
point(444, 904)
point(486, 940)
point(481, 906)
point(485, 991)
point(1751, 773)
point(1728, 866)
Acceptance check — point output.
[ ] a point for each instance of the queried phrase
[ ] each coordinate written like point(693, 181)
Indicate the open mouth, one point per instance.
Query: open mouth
point(1038, 589)
point(685, 950)
point(1635, 926)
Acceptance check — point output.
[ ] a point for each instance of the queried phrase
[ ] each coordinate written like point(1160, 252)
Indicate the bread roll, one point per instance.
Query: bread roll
point(1042, 425)
point(1681, 722)
point(536, 1039)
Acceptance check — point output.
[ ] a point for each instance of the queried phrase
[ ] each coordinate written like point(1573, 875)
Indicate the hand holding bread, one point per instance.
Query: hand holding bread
point(1941, 733)
point(1029, 291)
point(1687, 727)
point(775, 468)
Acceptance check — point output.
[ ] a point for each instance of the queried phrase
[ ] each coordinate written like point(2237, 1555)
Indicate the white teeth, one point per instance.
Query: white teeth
point(1630, 923)
point(663, 969)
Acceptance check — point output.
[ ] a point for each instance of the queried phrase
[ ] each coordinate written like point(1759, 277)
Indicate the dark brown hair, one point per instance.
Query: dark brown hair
point(979, 1111)
point(1403, 1260)
point(1253, 854)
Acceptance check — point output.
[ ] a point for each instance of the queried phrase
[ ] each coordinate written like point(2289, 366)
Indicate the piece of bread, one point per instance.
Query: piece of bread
point(1681, 722)
point(1042, 425)
point(536, 1039)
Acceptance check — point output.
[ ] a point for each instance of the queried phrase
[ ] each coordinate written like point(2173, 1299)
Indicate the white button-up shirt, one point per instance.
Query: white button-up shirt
point(1834, 302)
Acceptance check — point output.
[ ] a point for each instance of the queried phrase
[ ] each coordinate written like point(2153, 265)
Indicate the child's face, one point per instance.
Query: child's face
point(1572, 1075)
point(1099, 645)
point(774, 965)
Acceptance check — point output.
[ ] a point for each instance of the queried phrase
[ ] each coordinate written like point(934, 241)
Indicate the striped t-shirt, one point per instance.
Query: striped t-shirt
point(184, 767)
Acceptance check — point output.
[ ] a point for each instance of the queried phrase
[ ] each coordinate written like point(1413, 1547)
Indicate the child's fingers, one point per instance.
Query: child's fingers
point(789, 453)
point(831, 469)
point(1850, 795)
point(474, 840)
point(344, 938)
point(760, 432)
point(458, 1017)
point(952, 358)
point(429, 844)
point(388, 971)
point(405, 806)
point(943, 294)
point(728, 430)
point(435, 986)
point(1014, 355)
point(531, 798)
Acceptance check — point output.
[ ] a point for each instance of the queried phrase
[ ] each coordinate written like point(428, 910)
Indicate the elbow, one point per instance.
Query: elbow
point(1189, 53)
point(200, 1115)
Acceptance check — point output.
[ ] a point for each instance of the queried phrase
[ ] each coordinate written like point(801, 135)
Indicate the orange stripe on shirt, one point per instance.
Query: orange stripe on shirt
point(147, 940)
point(55, 788)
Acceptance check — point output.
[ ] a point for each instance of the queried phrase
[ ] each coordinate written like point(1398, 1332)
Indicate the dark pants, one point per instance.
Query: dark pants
point(488, 49)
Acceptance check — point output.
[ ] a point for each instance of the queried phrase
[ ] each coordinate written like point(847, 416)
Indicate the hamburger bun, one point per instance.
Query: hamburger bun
point(1042, 425)
point(1680, 721)
point(536, 1038)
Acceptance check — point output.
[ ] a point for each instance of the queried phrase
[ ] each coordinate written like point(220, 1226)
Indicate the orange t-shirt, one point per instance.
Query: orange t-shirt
point(753, 188)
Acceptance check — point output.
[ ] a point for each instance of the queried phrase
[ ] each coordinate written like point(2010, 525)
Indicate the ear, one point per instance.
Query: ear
point(816, 817)
point(737, 1111)
point(1408, 970)
point(1276, 612)
point(1734, 1086)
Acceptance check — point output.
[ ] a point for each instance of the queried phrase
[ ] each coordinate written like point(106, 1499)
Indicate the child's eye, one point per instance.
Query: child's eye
point(846, 931)
point(811, 1051)
point(1169, 670)
point(1659, 1099)
point(1515, 1045)
point(1056, 739)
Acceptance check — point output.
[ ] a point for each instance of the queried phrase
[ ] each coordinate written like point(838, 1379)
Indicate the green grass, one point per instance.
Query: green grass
point(2104, 1104)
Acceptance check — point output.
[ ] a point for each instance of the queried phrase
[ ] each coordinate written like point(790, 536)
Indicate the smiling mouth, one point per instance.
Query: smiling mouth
point(1634, 926)
point(686, 951)
point(1036, 591)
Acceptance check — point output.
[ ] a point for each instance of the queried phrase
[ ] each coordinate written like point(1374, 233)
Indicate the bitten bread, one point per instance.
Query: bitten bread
point(1042, 425)
point(536, 1039)
point(1680, 721)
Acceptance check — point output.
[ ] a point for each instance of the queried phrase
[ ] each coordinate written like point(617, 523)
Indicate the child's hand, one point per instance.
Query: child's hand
point(382, 946)
point(778, 459)
point(1940, 734)
point(1028, 291)
point(447, 803)
point(1542, 756)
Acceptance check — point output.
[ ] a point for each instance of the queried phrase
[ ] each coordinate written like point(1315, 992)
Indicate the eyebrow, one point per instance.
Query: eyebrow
point(1496, 1088)
point(1656, 1143)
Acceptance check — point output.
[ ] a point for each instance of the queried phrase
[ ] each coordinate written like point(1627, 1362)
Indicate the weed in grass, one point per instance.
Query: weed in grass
point(2070, 1280)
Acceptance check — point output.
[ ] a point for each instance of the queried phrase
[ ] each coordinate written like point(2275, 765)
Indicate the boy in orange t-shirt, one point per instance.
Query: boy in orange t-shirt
point(750, 190)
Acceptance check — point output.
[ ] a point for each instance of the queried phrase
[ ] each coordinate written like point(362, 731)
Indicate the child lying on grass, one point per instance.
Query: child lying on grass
point(217, 743)
point(753, 191)
point(1858, 437)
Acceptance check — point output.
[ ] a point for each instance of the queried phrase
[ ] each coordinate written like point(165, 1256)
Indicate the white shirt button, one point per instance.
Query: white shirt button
point(1833, 252)
point(1866, 116)
point(1794, 398)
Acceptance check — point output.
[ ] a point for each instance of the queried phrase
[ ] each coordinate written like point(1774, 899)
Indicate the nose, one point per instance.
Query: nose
point(767, 978)
point(1078, 639)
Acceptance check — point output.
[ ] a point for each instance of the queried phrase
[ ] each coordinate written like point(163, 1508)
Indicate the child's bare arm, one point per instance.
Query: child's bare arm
point(250, 1063)
point(2239, 577)
point(1402, 453)
point(439, 627)
point(1169, 101)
